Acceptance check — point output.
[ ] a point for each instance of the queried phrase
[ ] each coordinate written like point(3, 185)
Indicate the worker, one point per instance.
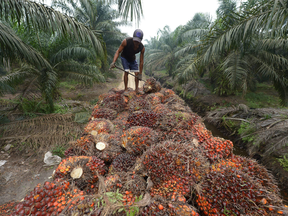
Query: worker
point(128, 48)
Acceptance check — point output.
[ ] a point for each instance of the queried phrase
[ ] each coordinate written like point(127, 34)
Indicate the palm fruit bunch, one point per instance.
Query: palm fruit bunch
point(179, 107)
point(114, 101)
point(121, 119)
point(105, 113)
point(153, 98)
point(83, 146)
point(173, 119)
point(160, 109)
point(145, 118)
point(49, 199)
point(98, 126)
point(129, 199)
point(112, 182)
point(86, 206)
point(176, 135)
point(158, 94)
point(122, 163)
point(82, 170)
point(217, 148)
point(260, 173)
point(167, 94)
point(137, 104)
point(199, 130)
point(7, 208)
point(125, 182)
point(239, 193)
point(169, 160)
point(182, 131)
point(151, 86)
point(163, 207)
point(173, 100)
point(174, 189)
point(137, 139)
point(111, 148)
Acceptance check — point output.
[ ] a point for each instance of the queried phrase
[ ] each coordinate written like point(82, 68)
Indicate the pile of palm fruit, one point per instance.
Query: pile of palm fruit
point(149, 154)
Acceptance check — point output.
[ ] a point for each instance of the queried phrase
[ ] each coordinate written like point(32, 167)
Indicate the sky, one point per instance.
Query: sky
point(159, 13)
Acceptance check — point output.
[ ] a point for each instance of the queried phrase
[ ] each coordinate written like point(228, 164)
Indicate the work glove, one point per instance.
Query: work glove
point(112, 65)
point(139, 76)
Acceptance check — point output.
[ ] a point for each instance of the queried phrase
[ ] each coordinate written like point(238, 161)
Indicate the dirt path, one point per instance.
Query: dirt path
point(131, 82)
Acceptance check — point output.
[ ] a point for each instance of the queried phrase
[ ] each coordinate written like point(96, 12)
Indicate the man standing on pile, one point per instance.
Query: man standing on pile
point(128, 48)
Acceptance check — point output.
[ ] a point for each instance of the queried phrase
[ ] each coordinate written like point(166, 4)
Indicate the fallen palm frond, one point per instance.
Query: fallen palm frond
point(266, 129)
point(42, 131)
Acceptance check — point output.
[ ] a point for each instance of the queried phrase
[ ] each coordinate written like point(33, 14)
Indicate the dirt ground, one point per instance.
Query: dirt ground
point(21, 172)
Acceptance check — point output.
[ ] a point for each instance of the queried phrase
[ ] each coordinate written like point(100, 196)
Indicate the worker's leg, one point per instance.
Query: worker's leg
point(136, 81)
point(134, 68)
point(126, 67)
point(125, 80)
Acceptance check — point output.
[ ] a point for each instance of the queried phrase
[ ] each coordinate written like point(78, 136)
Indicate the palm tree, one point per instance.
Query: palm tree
point(162, 54)
point(190, 37)
point(244, 43)
point(97, 16)
point(38, 17)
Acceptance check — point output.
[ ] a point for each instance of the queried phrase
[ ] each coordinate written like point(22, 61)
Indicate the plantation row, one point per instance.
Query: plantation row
point(149, 154)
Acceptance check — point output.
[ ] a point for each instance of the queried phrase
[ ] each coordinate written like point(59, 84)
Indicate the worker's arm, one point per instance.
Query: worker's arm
point(141, 60)
point(117, 53)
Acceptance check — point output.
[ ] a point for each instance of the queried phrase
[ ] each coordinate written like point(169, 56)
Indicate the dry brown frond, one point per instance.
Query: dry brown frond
point(42, 131)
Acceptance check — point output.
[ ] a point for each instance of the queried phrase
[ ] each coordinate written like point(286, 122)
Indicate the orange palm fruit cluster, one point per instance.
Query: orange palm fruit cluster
point(169, 160)
point(138, 104)
point(98, 126)
point(137, 139)
point(103, 113)
point(145, 118)
point(114, 101)
point(158, 207)
point(151, 86)
point(122, 163)
point(217, 148)
point(226, 181)
point(50, 199)
point(174, 190)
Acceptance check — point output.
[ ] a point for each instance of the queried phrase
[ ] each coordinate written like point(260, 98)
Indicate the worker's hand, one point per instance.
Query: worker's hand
point(139, 76)
point(112, 65)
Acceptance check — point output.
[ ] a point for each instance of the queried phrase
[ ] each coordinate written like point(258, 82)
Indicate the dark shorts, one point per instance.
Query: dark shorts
point(130, 66)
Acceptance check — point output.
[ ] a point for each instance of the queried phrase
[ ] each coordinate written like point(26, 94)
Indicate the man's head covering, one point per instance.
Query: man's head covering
point(138, 35)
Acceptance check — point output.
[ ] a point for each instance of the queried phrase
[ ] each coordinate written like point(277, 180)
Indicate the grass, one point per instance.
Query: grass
point(68, 84)
point(261, 100)
point(161, 73)
point(283, 162)
point(59, 150)
point(33, 107)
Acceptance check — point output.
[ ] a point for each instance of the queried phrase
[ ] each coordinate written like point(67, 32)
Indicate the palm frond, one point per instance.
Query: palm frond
point(13, 46)
point(187, 71)
point(46, 18)
point(234, 68)
point(188, 48)
point(130, 8)
point(87, 74)
point(72, 52)
point(195, 33)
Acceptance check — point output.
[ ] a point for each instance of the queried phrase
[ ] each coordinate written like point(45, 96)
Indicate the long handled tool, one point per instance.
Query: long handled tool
point(129, 73)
